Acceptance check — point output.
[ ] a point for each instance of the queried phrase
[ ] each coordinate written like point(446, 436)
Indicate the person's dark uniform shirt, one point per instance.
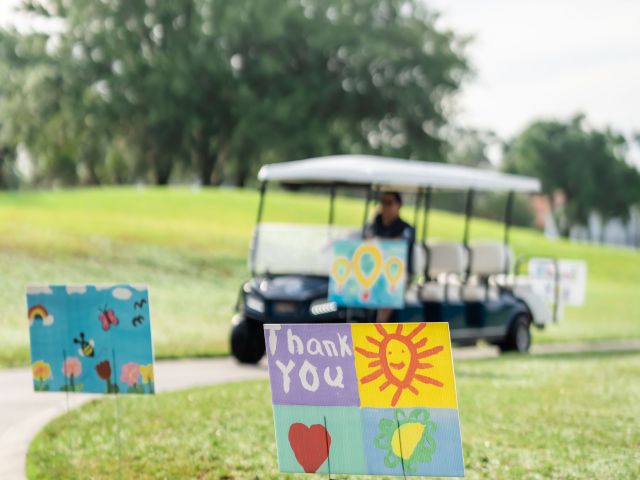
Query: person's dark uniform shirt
point(399, 229)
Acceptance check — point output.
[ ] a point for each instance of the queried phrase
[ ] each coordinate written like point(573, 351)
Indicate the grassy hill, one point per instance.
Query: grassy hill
point(524, 417)
point(190, 246)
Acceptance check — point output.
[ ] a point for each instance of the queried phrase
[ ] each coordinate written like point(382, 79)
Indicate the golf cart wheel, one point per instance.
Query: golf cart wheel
point(247, 341)
point(518, 337)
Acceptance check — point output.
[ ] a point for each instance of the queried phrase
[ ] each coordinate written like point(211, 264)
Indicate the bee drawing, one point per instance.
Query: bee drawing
point(87, 349)
point(107, 318)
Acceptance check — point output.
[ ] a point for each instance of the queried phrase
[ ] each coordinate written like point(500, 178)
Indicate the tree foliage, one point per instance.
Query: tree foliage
point(143, 90)
point(586, 164)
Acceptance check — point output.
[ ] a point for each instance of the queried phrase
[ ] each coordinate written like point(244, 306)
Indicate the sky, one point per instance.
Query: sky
point(540, 59)
point(548, 58)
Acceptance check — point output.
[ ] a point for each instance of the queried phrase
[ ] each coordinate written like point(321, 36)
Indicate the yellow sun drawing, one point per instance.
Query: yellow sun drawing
point(404, 365)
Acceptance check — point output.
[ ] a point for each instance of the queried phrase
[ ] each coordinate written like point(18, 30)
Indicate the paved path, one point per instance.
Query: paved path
point(23, 413)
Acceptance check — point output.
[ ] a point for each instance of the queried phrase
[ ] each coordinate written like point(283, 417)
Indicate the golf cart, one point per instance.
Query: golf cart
point(469, 284)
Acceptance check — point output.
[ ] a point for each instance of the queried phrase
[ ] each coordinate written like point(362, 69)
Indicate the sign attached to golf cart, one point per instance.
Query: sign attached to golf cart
point(368, 274)
point(571, 276)
point(90, 338)
point(364, 399)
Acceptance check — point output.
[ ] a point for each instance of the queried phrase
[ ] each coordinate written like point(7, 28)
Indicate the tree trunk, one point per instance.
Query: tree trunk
point(205, 158)
point(242, 173)
point(92, 178)
point(163, 173)
point(161, 168)
point(207, 162)
point(218, 172)
point(3, 182)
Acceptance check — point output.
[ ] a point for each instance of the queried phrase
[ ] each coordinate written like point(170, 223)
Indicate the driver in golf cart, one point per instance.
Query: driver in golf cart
point(388, 224)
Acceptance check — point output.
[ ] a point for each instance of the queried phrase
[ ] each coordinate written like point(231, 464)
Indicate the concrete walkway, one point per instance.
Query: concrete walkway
point(23, 413)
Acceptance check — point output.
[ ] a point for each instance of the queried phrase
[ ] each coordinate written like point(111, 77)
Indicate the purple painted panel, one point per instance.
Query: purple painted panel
point(311, 364)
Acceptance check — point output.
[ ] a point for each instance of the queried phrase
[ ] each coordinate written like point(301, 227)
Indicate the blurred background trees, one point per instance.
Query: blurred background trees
point(587, 166)
point(118, 92)
point(127, 91)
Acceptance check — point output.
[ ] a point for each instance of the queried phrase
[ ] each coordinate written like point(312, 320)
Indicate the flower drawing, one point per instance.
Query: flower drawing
point(130, 373)
point(41, 372)
point(146, 372)
point(72, 368)
point(103, 369)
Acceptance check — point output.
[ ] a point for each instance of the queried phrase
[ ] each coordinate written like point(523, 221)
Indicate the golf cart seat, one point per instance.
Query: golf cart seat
point(447, 262)
point(419, 263)
point(419, 259)
point(489, 259)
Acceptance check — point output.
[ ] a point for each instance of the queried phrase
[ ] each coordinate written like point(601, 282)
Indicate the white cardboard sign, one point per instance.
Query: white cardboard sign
point(572, 280)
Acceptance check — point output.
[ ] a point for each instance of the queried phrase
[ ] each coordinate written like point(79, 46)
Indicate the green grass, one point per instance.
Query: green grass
point(568, 416)
point(190, 246)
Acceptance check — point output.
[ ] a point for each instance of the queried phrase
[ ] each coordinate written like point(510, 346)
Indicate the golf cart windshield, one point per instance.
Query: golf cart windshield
point(294, 248)
point(279, 248)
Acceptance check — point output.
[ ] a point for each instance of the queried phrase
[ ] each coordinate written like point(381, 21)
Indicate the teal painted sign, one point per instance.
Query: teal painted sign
point(90, 338)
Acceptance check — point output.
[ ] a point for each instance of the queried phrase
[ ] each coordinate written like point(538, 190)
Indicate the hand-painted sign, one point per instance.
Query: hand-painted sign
point(365, 399)
point(90, 338)
point(572, 280)
point(368, 274)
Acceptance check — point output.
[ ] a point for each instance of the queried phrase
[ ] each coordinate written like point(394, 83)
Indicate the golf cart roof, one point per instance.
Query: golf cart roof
point(393, 173)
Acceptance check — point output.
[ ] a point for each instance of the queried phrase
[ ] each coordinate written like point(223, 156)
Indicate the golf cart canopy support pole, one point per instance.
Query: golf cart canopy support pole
point(425, 216)
point(468, 213)
point(423, 241)
point(332, 203)
point(366, 209)
point(416, 208)
point(263, 191)
point(256, 234)
point(508, 214)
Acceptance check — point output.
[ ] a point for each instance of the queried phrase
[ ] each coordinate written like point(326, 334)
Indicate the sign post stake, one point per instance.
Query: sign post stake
point(67, 425)
point(326, 439)
point(404, 474)
point(117, 415)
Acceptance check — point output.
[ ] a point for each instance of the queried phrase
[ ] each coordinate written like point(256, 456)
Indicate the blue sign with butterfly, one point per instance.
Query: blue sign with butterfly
point(91, 338)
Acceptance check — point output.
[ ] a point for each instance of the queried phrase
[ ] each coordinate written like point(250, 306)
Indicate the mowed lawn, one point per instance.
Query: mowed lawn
point(572, 416)
point(190, 247)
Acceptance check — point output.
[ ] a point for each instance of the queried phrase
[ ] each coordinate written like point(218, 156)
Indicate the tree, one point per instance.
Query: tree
point(7, 145)
point(471, 147)
point(188, 82)
point(587, 165)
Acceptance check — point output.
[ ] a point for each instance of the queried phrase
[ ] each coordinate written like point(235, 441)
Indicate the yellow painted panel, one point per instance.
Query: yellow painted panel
point(404, 365)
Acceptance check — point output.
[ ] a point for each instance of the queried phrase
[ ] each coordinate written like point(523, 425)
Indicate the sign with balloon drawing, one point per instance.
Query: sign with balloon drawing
point(376, 399)
point(90, 338)
point(368, 274)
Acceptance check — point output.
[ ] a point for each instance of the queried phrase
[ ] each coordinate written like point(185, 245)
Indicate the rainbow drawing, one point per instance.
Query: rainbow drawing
point(40, 313)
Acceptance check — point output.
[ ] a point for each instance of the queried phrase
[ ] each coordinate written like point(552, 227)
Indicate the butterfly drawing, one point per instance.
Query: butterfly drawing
point(140, 303)
point(107, 318)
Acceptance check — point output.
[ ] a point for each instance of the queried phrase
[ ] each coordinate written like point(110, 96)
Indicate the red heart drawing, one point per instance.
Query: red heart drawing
point(310, 445)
